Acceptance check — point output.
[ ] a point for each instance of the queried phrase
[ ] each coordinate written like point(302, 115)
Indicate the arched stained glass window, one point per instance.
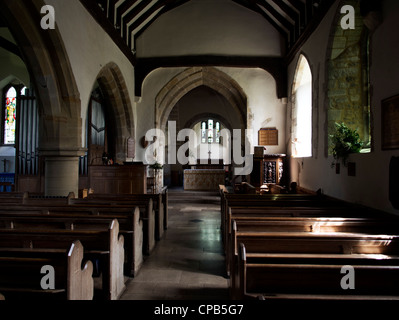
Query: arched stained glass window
point(10, 115)
point(210, 131)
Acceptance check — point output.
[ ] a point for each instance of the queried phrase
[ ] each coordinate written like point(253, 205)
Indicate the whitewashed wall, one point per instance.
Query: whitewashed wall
point(210, 27)
point(264, 108)
point(89, 49)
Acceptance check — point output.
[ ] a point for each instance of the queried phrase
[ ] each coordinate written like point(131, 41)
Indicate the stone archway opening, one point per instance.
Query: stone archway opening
point(193, 78)
point(113, 86)
point(208, 81)
point(59, 104)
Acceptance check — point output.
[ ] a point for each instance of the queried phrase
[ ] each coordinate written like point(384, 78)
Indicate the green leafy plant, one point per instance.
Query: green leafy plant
point(156, 166)
point(344, 142)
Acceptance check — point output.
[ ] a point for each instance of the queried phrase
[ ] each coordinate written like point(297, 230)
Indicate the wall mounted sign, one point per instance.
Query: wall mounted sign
point(268, 137)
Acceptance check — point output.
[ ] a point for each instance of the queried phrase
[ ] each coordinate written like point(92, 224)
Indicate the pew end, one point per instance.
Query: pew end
point(80, 280)
point(21, 273)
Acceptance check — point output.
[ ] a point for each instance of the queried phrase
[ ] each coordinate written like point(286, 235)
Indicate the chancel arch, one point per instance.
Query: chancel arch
point(193, 78)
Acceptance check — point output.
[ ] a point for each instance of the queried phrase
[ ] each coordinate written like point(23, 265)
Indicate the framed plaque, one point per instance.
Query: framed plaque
point(390, 121)
point(268, 137)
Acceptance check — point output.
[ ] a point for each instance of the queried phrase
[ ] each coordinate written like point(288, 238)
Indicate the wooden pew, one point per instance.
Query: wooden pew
point(159, 205)
point(305, 225)
point(146, 208)
point(310, 243)
point(37, 199)
point(283, 213)
point(275, 202)
point(105, 246)
point(12, 197)
point(316, 277)
point(131, 227)
point(310, 224)
point(85, 206)
point(20, 273)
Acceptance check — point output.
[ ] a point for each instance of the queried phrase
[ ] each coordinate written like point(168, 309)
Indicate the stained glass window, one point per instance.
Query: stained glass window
point(210, 131)
point(203, 132)
point(10, 116)
point(217, 132)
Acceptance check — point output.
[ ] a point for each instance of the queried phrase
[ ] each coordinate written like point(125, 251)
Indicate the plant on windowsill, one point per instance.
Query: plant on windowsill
point(344, 142)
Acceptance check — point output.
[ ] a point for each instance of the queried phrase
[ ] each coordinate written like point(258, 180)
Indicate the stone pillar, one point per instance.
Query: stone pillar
point(62, 174)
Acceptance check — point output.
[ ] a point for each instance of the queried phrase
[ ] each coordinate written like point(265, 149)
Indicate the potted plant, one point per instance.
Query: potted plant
point(344, 142)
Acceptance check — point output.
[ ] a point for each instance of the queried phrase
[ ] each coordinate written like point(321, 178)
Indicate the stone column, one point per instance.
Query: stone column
point(62, 173)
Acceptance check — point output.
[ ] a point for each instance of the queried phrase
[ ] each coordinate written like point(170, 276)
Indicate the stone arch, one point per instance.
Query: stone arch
point(192, 78)
point(51, 74)
point(59, 104)
point(113, 86)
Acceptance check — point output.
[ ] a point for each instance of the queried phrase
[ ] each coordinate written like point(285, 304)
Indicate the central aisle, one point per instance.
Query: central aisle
point(188, 263)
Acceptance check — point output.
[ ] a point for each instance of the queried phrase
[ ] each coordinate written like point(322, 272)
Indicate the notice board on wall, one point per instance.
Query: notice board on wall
point(268, 137)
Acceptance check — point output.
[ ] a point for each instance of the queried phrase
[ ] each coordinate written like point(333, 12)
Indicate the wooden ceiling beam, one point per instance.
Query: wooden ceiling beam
point(121, 10)
point(111, 11)
point(146, 15)
point(133, 13)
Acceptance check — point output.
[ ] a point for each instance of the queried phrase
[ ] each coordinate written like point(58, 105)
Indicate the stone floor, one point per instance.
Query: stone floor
point(188, 263)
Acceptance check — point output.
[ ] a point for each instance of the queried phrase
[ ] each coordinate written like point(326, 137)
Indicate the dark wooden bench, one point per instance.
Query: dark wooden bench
point(131, 227)
point(37, 199)
point(146, 207)
point(283, 213)
point(316, 277)
point(275, 202)
point(310, 243)
point(307, 225)
point(147, 214)
point(105, 246)
point(20, 273)
point(12, 197)
point(159, 204)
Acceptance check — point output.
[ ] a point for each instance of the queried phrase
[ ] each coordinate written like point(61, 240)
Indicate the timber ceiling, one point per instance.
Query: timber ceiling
point(130, 18)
